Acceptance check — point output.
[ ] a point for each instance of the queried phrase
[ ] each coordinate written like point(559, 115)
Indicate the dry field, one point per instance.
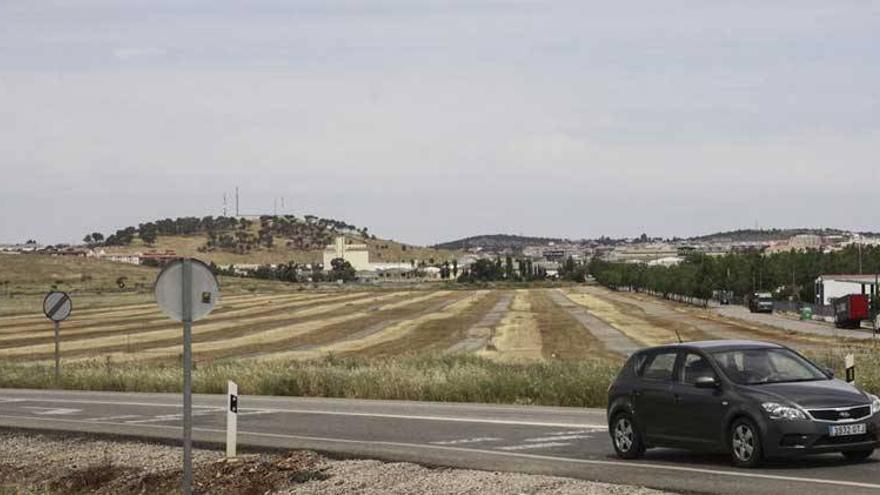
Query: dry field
point(509, 326)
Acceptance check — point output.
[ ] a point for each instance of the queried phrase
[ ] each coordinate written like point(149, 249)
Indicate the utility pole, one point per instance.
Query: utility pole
point(236, 202)
point(224, 204)
point(860, 256)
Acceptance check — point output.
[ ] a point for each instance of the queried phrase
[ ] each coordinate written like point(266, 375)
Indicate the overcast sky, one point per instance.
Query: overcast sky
point(427, 121)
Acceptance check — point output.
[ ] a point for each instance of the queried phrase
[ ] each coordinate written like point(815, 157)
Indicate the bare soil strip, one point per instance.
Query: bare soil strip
point(141, 341)
point(563, 336)
point(612, 339)
point(373, 322)
point(391, 333)
point(478, 335)
point(276, 337)
point(516, 338)
point(161, 322)
point(439, 333)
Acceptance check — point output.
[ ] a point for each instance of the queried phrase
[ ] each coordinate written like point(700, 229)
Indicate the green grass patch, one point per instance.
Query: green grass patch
point(459, 378)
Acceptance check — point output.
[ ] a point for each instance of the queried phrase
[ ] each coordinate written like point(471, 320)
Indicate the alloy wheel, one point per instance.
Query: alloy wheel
point(623, 434)
point(743, 442)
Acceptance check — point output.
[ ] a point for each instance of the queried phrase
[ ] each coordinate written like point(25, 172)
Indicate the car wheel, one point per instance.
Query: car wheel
point(858, 455)
point(627, 440)
point(745, 444)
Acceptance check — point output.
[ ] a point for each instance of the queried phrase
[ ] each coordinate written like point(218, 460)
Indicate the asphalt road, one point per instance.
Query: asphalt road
point(557, 441)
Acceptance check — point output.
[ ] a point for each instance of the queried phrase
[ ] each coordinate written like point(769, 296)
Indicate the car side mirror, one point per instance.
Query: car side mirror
point(829, 372)
point(707, 382)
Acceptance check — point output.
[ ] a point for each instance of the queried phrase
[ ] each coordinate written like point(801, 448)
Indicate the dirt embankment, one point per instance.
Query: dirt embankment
point(56, 464)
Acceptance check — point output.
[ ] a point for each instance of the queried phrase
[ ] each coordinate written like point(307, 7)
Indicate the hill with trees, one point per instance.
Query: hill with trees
point(498, 242)
point(765, 235)
point(260, 240)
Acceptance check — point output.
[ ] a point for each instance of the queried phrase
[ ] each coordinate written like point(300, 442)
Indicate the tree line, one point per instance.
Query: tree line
point(789, 275)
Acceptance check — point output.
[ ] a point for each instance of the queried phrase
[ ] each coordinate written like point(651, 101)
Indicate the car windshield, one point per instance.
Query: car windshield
point(757, 366)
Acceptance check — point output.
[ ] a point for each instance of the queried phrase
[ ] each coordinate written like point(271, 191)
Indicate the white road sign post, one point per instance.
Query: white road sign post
point(850, 363)
point(231, 419)
point(187, 291)
point(57, 307)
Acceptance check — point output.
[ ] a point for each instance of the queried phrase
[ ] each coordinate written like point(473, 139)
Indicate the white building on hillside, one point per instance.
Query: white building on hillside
point(356, 254)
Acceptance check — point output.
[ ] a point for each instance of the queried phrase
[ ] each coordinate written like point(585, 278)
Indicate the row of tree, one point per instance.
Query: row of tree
point(789, 275)
point(295, 273)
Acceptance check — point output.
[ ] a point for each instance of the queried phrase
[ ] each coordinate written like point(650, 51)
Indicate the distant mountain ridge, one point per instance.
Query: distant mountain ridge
point(497, 241)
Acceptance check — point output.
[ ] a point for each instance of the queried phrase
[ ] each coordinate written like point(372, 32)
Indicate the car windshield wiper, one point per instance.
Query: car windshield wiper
point(793, 381)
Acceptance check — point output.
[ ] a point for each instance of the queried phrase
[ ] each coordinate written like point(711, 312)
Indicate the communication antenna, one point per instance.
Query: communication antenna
point(236, 202)
point(224, 204)
point(679, 337)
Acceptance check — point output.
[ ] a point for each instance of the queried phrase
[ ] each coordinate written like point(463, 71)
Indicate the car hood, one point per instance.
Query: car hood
point(819, 394)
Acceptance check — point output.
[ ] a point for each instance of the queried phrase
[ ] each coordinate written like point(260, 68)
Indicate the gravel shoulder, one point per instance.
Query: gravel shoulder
point(55, 463)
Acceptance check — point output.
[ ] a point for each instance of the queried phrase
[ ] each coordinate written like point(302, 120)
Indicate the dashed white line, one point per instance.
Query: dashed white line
point(544, 445)
point(465, 441)
point(115, 418)
point(557, 438)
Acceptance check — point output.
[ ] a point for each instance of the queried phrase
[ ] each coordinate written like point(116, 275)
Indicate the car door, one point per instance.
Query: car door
point(653, 395)
point(698, 412)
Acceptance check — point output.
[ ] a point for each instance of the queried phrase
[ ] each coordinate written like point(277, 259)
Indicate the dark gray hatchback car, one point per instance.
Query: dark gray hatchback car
point(751, 399)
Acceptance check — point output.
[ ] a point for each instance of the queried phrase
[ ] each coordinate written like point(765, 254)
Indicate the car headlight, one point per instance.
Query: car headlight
point(780, 411)
point(875, 403)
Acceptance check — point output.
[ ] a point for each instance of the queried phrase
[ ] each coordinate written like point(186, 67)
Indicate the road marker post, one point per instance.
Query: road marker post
point(57, 307)
point(850, 363)
point(231, 419)
point(186, 291)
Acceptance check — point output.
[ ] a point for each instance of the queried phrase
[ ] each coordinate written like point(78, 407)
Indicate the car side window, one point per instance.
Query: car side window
point(659, 367)
point(695, 366)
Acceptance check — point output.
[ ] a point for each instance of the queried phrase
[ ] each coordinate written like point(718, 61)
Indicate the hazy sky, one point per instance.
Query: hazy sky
point(427, 121)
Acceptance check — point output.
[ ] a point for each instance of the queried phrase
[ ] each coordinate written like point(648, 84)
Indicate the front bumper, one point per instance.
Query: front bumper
point(789, 438)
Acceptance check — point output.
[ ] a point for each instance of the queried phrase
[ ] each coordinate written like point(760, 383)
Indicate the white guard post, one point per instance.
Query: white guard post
point(231, 419)
point(850, 362)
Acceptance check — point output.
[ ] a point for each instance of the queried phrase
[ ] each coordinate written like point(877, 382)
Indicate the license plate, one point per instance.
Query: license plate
point(847, 430)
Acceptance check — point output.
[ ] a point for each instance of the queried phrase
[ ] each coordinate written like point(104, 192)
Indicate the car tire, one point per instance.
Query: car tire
point(744, 440)
point(626, 438)
point(858, 455)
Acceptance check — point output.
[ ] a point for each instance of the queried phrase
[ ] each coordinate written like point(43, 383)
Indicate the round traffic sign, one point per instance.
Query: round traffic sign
point(57, 305)
point(204, 290)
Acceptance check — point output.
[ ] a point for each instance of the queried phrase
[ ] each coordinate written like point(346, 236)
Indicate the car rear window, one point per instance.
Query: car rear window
point(659, 366)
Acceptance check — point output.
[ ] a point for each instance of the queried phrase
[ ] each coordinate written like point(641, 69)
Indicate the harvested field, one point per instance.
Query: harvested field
point(554, 346)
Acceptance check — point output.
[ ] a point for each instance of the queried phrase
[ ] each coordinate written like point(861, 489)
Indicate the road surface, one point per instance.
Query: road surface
point(539, 440)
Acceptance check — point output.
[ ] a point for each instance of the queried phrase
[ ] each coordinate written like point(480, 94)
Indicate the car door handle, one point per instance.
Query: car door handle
point(637, 393)
point(676, 398)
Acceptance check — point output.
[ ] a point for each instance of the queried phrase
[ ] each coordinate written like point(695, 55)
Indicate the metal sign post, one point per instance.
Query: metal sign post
point(231, 419)
point(57, 307)
point(187, 291)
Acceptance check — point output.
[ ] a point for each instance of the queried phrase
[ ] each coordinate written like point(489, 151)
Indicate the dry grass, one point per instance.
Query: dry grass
point(635, 328)
point(562, 336)
point(517, 337)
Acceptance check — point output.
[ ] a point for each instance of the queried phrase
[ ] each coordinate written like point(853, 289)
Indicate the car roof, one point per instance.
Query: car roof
point(718, 345)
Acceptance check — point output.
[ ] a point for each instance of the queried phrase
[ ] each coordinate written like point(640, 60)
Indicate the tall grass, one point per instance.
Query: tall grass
point(459, 378)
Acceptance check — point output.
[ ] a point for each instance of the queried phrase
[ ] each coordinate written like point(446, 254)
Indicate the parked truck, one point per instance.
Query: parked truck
point(760, 302)
point(849, 311)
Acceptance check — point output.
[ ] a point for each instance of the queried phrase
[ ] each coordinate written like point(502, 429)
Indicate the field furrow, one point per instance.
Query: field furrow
point(516, 338)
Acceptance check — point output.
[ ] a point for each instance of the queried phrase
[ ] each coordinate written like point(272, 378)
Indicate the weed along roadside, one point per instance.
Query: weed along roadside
point(446, 378)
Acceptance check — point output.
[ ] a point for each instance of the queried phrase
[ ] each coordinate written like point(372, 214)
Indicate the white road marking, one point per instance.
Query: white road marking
point(557, 437)
point(465, 441)
point(528, 446)
point(575, 432)
point(52, 411)
point(256, 412)
point(173, 417)
point(594, 462)
point(341, 413)
point(12, 400)
point(115, 418)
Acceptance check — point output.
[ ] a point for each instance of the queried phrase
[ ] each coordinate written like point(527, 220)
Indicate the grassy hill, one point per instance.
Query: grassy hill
point(261, 240)
point(762, 235)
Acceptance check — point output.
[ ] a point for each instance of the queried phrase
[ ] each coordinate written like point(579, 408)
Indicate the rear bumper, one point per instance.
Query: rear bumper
point(791, 438)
